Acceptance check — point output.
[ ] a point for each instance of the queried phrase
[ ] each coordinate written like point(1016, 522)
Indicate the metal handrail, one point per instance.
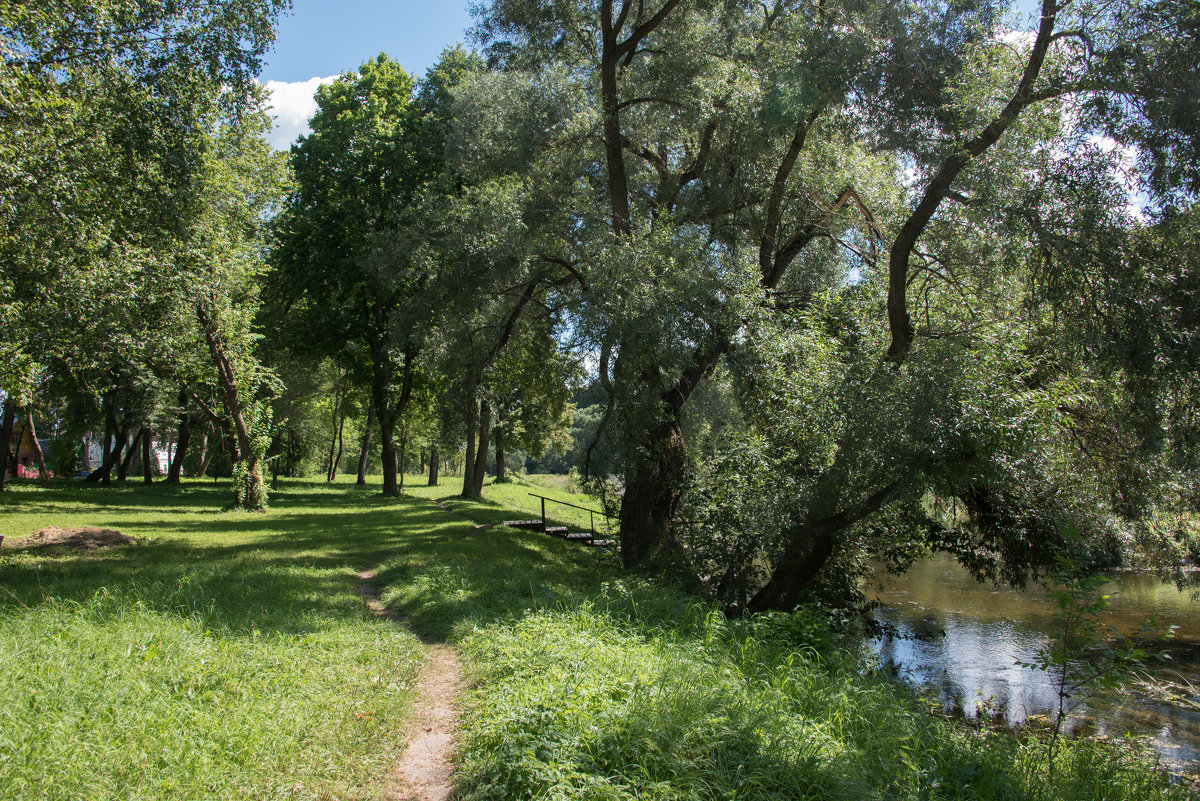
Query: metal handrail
point(591, 512)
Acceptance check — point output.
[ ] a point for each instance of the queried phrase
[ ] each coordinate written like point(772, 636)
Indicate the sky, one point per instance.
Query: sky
point(321, 39)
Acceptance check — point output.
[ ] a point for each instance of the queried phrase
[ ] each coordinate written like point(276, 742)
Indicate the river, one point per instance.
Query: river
point(963, 640)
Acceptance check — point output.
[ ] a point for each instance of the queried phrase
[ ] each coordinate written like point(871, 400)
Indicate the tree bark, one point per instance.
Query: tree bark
point(801, 562)
point(335, 462)
point(131, 448)
point(381, 374)
point(175, 469)
point(499, 436)
point(206, 455)
point(114, 440)
point(811, 545)
point(147, 476)
point(366, 445)
point(253, 495)
point(433, 465)
point(106, 443)
point(899, 320)
point(43, 473)
point(469, 461)
point(481, 450)
point(652, 491)
point(403, 454)
point(6, 432)
point(386, 412)
point(614, 145)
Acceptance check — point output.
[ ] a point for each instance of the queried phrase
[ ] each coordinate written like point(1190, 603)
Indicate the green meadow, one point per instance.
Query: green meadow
point(229, 655)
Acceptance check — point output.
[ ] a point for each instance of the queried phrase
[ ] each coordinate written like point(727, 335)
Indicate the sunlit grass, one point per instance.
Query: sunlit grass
point(517, 499)
point(227, 656)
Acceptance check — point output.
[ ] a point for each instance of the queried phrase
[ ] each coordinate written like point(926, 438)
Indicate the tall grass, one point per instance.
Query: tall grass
point(593, 684)
point(639, 699)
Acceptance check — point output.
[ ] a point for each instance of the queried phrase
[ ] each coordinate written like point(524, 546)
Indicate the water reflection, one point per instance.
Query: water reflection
point(964, 640)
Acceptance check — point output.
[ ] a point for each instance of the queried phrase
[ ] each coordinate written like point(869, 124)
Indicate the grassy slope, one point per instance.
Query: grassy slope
point(229, 657)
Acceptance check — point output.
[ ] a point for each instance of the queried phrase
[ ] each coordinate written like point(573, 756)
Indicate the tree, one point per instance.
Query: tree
point(740, 172)
point(221, 259)
point(352, 264)
point(105, 108)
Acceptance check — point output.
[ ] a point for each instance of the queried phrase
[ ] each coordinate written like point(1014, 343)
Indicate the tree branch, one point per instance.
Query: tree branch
point(899, 320)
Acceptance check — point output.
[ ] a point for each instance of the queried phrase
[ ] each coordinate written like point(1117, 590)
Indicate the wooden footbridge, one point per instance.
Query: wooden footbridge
point(589, 537)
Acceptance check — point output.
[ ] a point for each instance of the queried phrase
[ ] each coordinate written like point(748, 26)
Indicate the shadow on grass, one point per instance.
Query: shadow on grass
point(295, 566)
point(292, 569)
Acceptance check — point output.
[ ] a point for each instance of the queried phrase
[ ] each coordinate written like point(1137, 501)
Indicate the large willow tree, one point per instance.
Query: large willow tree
point(875, 226)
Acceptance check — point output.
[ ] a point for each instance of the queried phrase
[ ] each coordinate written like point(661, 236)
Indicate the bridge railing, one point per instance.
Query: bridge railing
point(591, 513)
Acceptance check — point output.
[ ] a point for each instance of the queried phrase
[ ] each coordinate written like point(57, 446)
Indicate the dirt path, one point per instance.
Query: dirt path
point(423, 771)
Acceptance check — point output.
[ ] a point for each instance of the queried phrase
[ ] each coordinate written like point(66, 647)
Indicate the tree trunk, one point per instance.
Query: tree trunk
point(403, 454)
point(335, 458)
point(469, 460)
point(147, 476)
point(810, 546)
point(338, 420)
point(499, 454)
point(114, 440)
point(481, 450)
point(652, 491)
point(175, 469)
point(433, 465)
point(130, 451)
point(119, 440)
point(329, 468)
point(250, 491)
point(43, 473)
point(366, 445)
point(797, 568)
point(6, 432)
point(106, 443)
point(381, 380)
point(206, 455)
point(614, 142)
point(337, 462)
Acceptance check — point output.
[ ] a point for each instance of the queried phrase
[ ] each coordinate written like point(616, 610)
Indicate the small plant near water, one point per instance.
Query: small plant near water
point(1087, 655)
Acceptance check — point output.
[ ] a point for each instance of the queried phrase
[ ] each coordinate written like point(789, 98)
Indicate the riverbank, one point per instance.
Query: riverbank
point(231, 655)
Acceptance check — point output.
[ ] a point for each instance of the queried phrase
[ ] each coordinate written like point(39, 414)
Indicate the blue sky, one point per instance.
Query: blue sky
point(322, 38)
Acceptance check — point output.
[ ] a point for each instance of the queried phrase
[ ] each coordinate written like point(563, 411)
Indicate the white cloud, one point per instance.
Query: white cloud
point(292, 103)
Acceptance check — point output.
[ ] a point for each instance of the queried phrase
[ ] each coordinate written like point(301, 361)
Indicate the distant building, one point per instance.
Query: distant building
point(21, 443)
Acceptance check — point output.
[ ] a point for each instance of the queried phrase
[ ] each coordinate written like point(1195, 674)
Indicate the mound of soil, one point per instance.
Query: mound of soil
point(87, 538)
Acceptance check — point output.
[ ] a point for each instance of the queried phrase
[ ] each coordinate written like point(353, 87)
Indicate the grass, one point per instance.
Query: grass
point(228, 656)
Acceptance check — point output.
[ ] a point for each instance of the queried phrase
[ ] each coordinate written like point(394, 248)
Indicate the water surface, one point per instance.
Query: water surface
point(964, 640)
